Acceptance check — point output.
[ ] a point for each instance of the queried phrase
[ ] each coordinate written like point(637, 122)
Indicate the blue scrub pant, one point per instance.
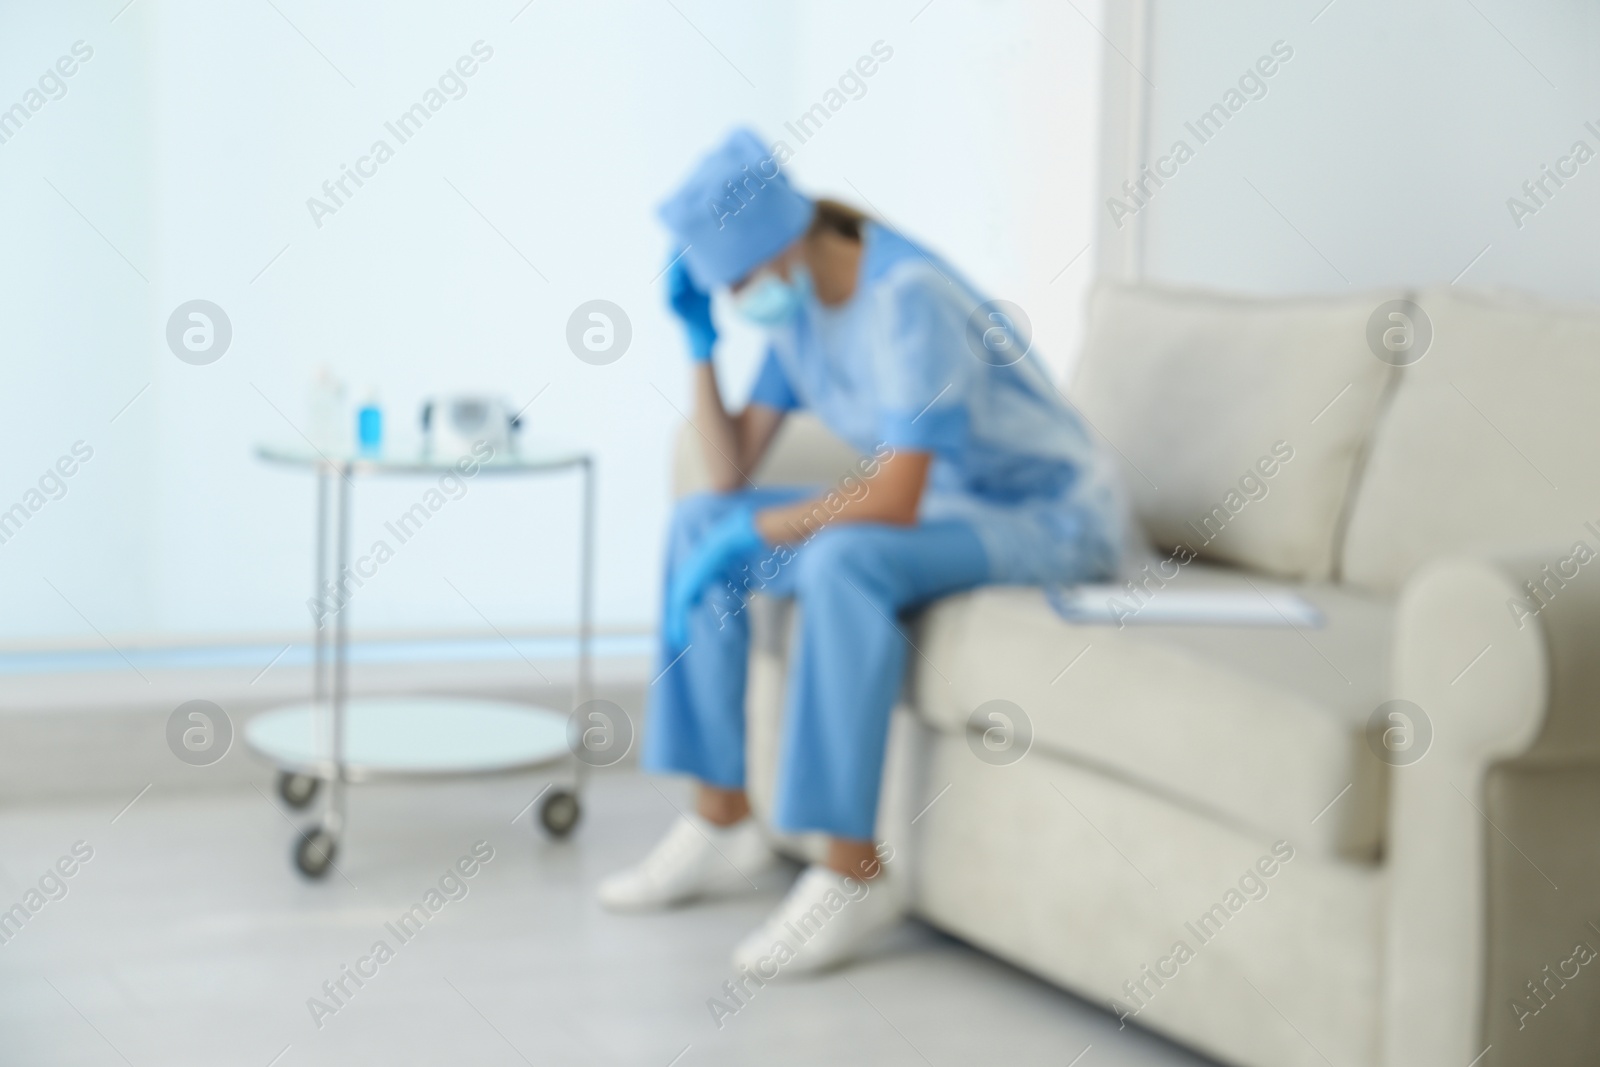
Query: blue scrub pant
point(852, 580)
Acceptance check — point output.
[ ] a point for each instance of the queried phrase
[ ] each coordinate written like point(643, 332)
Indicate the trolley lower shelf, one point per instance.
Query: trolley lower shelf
point(404, 738)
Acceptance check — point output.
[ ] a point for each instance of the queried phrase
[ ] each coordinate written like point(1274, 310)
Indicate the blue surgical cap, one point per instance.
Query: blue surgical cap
point(735, 212)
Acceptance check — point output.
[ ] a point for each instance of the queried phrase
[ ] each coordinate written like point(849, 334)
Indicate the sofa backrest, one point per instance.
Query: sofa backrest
point(1491, 440)
point(1240, 422)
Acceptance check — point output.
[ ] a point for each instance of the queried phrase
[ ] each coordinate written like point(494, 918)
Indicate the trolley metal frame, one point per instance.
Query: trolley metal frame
point(318, 843)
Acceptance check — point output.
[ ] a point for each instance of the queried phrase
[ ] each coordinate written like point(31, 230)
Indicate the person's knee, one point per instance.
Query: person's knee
point(692, 515)
point(840, 554)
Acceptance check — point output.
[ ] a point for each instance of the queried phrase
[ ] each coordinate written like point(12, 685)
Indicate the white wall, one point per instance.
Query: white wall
point(73, 350)
point(193, 139)
point(1391, 143)
point(563, 140)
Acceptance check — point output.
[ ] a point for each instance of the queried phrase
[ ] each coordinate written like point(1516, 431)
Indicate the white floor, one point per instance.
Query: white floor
point(187, 939)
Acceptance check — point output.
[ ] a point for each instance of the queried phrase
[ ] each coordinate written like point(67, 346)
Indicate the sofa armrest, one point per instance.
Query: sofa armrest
point(805, 452)
point(1535, 689)
point(1498, 684)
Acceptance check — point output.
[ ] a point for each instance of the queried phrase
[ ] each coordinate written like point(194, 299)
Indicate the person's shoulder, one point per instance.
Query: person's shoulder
point(912, 280)
point(908, 276)
point(911, 299)
point(914, 287)
point(891, 259)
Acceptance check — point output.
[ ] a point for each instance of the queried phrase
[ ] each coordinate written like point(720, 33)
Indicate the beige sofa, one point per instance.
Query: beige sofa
point(1202, 835)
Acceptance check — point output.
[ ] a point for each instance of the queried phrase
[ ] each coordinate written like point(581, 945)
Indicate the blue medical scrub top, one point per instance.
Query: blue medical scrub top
point(898, 364)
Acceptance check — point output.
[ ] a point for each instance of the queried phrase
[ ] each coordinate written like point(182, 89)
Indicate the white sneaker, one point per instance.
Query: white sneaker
point(827, 919)
point(696, 859)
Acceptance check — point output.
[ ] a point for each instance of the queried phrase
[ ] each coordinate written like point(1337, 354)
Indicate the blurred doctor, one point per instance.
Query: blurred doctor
point(974, 471)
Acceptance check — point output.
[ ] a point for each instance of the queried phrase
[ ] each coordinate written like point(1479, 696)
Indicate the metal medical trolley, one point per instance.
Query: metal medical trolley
point(333, 741)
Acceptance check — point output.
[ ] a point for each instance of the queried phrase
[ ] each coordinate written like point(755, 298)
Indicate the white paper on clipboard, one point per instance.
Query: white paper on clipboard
point(1112, 605)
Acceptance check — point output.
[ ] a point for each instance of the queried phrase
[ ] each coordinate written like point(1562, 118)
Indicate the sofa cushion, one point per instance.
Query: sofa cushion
point(1489, 441)
point(1259, 726)
point(1194, 390)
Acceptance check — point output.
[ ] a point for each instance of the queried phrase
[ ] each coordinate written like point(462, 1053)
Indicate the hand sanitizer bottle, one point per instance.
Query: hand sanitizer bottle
point(369, 425)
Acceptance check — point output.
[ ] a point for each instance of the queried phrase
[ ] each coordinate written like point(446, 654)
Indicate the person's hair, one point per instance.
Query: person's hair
point(835, 217)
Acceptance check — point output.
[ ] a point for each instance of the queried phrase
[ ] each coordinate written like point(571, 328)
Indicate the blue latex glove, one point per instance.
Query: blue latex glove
point(731, 541)
point(692, 305)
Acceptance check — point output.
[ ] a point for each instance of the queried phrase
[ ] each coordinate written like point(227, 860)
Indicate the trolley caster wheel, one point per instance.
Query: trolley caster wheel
point(559, 812)
point(297, 790)
point(314, 852)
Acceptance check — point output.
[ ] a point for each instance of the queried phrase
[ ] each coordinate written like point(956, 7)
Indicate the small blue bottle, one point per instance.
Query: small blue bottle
point(369, 426)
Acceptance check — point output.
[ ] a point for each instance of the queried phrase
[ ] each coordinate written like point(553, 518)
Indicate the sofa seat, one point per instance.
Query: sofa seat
point(1261, 727)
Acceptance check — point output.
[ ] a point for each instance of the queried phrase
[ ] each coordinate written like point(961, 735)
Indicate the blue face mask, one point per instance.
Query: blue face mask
point(770, 301)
